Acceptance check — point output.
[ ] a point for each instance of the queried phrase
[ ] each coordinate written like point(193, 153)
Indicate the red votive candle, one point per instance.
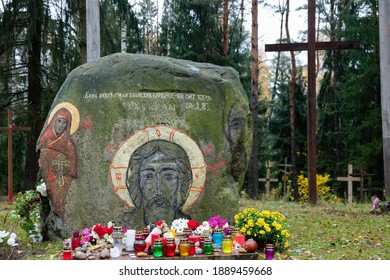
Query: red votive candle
point(194, 238)
point(164, 242)
point(191, 252)
point(67, 254)
point(240, 239)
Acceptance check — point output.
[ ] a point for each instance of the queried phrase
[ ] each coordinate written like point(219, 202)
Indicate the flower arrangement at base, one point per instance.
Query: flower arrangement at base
point(201, 228)
point(179, 225)
point(217, 222)
point(263, 226)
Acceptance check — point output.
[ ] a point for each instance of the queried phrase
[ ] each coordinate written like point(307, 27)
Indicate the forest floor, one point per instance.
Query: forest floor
point(320, 232)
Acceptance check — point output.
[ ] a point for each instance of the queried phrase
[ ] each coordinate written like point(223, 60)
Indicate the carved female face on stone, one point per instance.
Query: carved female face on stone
point(236, 125)
point(162, 175)
point(60, 126)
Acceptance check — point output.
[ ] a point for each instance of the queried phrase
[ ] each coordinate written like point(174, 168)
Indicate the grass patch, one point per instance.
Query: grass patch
point(332, 232)
point(320, 232)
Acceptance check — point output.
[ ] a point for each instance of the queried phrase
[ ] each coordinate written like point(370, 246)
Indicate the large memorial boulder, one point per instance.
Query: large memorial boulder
point(138, 138)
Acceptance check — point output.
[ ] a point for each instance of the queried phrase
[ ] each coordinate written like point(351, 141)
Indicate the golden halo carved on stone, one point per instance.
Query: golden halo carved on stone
point(120, 161)
point(72, 110)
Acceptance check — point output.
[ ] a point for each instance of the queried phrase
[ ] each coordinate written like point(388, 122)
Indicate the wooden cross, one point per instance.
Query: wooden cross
point(350, 179)
point(311, 46)
point(361, 175)
point(10, 129)
point(93, 30)
point(268, 180)
point(285, 175)
point(384, 41)
point(355, 177)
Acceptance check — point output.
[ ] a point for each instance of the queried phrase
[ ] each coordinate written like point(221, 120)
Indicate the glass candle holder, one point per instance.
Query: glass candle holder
point(191, 252)
point(170, 248)
point(229, 230)
point(202, 239)
point(76, 242)
point(217, 236)
point(139, 242)
point(269, 251)
point(208, 234)
point(195, 239)
point(117, 236)
point(154, 237)
point(236, 231)
point(187, 232)
point(67, 251)
point(67, 254)
point(146, 232)
point(240, 239)
point(227, 244)
point(184, 247)
point(208, 247)
point(158, 248)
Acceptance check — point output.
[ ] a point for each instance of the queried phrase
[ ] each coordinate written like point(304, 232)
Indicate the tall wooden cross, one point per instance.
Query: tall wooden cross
point(311, 46)
point(93, 30)
point(10, 129)
point(384, 48)
point(268, 180)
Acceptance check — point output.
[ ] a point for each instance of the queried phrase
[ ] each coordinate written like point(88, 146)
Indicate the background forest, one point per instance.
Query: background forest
point(41, 41)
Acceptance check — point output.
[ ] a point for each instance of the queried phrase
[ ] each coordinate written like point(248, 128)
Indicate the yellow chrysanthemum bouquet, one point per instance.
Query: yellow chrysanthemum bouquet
point(263, 226)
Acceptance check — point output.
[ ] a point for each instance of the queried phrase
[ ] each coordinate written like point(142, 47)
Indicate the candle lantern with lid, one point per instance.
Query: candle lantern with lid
point(269, 251)
point(117, 236)
point(158, 248)
point(139, 242)
point(217, 236)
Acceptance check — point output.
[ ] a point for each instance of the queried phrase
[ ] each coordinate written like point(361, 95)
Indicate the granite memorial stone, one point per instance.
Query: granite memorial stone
point(138, 138)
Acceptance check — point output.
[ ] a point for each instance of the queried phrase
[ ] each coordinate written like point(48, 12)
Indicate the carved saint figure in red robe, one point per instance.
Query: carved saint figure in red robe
point(58, 160)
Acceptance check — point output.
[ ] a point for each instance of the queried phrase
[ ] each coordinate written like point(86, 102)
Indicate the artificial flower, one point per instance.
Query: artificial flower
point(179, 225)
point(101, 232)
point(202, 228)
point(192, 224)
point(160, 225)
point(86, 236)
point(41, 188)
point(217, 222)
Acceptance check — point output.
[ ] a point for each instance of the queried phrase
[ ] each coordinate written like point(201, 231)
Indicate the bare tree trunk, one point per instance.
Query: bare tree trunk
point(253, 184)
point(225, 27)
point(281, 9)
point(34, 92)
point(242, 8)
point(336, 78)
point(158, 51)
point(292, 111)
point(83, 32)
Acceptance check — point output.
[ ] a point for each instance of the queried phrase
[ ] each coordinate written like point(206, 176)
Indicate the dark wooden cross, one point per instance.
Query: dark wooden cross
point(10, 129)
point(361, 175)
point(268, 180)
point(311, 46)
